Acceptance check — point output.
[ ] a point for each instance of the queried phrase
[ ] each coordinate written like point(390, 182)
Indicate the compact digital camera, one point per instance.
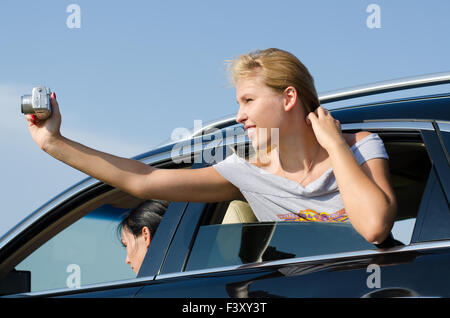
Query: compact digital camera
point(38, 103)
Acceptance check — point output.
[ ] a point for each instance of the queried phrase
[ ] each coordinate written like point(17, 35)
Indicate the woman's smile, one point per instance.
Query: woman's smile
point(251, 132)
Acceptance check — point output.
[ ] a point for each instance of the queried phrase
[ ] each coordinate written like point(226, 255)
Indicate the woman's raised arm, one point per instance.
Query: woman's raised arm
point(131, 176)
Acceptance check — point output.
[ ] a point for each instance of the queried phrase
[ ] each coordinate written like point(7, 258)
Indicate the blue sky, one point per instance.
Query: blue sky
point(136, 70)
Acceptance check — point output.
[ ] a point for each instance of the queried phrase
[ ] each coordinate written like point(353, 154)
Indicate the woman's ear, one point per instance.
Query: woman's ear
point(146, 235)
point(290, 98)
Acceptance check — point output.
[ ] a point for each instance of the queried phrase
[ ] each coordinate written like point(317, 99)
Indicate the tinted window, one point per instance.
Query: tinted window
point(234, 244)
point(410, 167)
point(435, 214)
point(86, 252)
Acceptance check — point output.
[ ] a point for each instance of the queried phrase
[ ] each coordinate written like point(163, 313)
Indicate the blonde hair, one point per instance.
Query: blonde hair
point(279, 69)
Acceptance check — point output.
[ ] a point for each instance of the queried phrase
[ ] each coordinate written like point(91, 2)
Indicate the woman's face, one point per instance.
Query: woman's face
point(260, 110)
point(136, 247)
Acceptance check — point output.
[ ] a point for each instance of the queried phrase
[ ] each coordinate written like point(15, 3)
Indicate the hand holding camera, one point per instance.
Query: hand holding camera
point(42, 114)
point(38, 103)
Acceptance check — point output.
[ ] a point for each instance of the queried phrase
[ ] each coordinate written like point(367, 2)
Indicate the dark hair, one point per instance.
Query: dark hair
point(148, 213)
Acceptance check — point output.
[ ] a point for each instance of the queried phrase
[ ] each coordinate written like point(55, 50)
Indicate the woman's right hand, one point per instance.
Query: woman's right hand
point(45, 131)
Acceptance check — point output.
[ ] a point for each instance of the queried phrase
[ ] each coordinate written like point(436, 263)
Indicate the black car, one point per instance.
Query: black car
point(69, 247)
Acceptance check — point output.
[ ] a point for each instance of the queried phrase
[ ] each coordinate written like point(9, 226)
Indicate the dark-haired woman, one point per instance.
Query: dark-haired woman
point(138, 229)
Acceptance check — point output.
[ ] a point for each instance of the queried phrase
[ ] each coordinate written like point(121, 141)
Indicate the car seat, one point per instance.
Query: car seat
point(239, 212)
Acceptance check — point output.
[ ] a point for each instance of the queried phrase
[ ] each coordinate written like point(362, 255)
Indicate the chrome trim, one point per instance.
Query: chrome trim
point(394, 125)
point(444, 125)
point(386, 86)
point(158, 158)
point(89, 288)
point(400, 249)
point(229, 120)
point(389, 101)
point(195, 150)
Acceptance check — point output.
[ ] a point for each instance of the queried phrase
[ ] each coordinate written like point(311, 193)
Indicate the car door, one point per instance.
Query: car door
point(289, 260)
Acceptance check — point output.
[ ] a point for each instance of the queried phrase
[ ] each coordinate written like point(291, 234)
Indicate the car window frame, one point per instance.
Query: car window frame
point(443, 131)
point(185, 236)
point(439, 154)
point(439, 181)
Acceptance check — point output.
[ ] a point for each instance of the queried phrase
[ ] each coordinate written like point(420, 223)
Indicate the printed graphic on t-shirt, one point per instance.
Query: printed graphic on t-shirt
point(309, 215)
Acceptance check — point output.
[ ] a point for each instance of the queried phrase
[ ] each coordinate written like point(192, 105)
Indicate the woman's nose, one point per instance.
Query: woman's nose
point(127, 260)
point(241, 116)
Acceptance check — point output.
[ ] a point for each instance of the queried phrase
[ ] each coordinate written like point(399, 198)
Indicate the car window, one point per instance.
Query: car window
point(87, 252)
point(434, 220)
point(235, 244)
point(224, 239)
point(410, 167)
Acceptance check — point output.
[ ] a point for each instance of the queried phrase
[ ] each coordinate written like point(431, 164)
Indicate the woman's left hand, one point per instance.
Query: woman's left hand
point(326, 128)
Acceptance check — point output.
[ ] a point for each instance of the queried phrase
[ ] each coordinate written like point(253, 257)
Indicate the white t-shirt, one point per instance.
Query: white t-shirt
point(274, 198)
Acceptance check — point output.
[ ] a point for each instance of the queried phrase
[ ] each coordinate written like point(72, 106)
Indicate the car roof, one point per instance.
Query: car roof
point(429, 107)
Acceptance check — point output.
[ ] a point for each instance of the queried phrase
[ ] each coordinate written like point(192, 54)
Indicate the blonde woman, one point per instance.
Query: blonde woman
point(314, 171)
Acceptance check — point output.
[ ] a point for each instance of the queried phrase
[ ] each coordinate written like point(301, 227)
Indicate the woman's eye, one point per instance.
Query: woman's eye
point(248, 100)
